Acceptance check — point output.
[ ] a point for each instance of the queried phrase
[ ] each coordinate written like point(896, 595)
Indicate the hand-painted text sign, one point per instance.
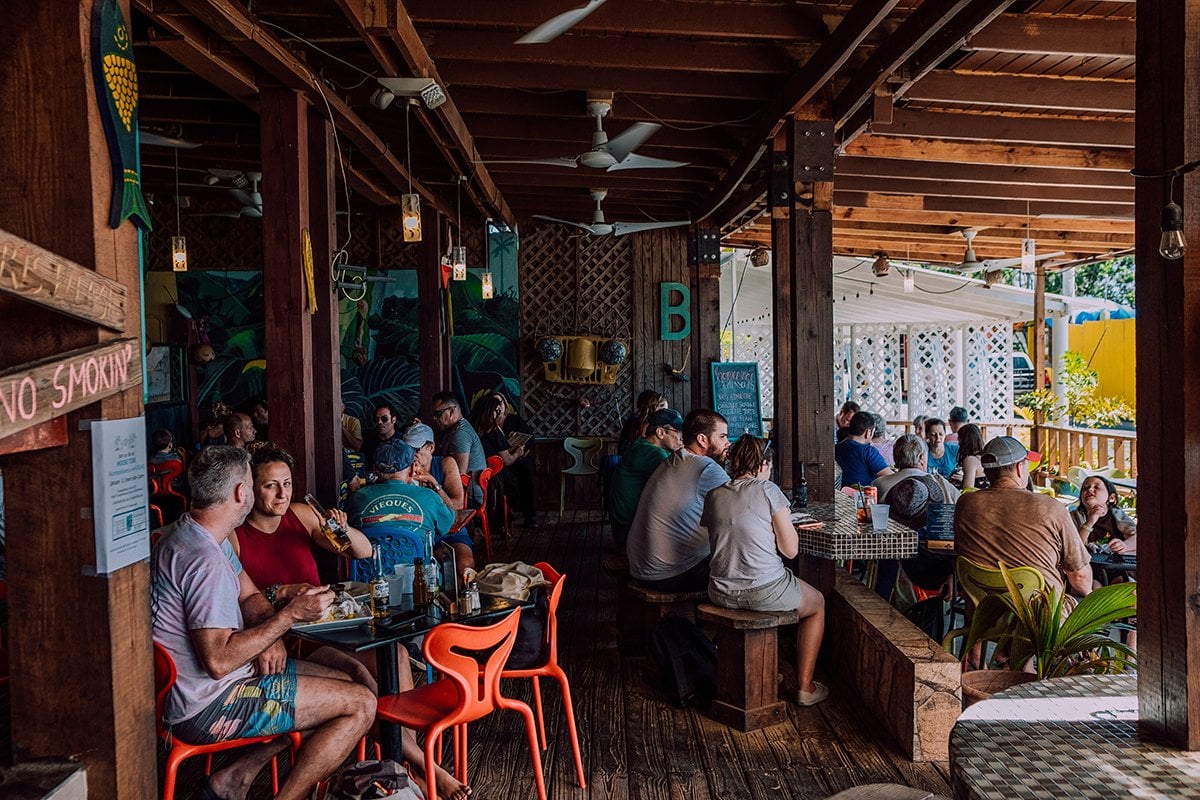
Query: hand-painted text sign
point(39, 276)
point(735, 396)
point(45, 389)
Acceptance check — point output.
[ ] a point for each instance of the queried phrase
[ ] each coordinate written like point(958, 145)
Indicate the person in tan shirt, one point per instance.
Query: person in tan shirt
point(1009, 523)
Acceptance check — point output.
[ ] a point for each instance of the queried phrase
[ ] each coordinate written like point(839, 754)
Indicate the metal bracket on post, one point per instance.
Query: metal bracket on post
point(780, 194)
point(815, 150)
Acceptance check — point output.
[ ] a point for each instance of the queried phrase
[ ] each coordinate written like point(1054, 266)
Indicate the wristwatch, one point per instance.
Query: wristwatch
point(270, 593)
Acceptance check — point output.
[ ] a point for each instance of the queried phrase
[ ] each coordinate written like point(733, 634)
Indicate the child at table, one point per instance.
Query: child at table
point(1098, 518)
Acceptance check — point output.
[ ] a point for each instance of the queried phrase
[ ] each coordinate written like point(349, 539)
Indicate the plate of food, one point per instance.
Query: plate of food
point(346, 611)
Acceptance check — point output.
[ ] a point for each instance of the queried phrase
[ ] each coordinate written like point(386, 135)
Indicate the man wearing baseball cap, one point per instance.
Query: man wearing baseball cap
point(664, 435)
point(1009, 523)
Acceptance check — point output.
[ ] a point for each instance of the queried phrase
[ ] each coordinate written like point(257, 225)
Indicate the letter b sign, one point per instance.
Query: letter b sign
point(669, 329)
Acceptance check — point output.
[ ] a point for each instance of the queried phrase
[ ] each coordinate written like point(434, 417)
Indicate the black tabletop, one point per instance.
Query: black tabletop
point(1114, 562)
point(401, 624)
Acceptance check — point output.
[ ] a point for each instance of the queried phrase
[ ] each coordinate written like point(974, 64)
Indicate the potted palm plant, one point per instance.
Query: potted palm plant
point(1036, 631)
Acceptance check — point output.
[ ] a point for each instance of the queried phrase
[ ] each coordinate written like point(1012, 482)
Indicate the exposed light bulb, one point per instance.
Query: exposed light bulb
point(1028, 255)
point(487, 290)
point(410, 208)
point(178, 254)
point(1172, 245)
point(881, 265)
point(458, 262)
point(909, 283)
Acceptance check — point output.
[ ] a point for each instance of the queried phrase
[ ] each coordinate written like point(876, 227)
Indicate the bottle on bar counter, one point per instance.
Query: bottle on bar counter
point(434, 574)
point(333, 530)
point(800, 495)
point(378, 585)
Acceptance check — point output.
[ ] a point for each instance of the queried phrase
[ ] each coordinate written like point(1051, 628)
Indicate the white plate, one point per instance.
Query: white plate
point(330, 625)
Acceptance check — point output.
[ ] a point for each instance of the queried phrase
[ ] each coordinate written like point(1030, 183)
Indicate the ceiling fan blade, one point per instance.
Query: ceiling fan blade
point(630, 139)
point(242, 196)
point(620, 228)
point(634, 161)
point(158, 140)
point(582, 225)
point(564, 161)
point(256, 199)
point(254, 212)
point(993, 264)
point(556, 26)
point(225, 174)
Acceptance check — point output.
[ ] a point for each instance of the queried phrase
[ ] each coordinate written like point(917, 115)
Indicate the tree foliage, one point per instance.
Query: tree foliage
point(1110, 280)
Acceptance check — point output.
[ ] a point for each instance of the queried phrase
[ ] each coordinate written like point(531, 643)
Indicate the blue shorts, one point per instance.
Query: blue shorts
point(459, 537)
point(264, 705)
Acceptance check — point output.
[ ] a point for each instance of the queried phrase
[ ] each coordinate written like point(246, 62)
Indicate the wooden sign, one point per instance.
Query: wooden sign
point(51, 387)
point(735, 396)
point(35, 274)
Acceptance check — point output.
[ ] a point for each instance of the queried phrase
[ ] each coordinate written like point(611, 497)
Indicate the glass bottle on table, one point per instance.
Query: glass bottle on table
point(433, 575)
point(420, 586)
point(378, 585)
point(337, 535)
point(801, 493)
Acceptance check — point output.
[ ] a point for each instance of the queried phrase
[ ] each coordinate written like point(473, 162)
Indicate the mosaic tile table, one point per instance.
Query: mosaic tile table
point(1065, 737)
point(843, 537)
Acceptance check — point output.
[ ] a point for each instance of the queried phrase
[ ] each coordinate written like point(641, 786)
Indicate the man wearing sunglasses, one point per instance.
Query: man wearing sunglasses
point(459, 441)
point(384, 422)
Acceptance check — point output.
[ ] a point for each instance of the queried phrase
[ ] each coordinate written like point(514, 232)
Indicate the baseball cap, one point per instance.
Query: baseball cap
point(393, 455)
point(664, 418)
point(1003, 451)
point(418, 435)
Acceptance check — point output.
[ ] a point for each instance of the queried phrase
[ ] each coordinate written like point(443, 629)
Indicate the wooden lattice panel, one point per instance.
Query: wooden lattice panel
point(221, 243)
point(394, 252)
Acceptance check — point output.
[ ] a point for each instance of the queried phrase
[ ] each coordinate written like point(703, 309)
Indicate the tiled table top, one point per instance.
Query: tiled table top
point(842, 537)
point(1065, 737)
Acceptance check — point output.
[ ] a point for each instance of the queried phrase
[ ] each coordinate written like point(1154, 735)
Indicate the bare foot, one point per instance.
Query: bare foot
point(450, 788)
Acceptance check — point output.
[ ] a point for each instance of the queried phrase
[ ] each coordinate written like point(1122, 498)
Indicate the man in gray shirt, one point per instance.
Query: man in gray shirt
point(459, 441)
point(668, 549)
point(234, 677)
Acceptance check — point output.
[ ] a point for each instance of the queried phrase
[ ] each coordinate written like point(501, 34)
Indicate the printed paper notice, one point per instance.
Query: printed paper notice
point(119, 493)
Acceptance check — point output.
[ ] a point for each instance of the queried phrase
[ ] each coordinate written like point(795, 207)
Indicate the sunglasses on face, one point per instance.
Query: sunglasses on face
point(437, 414)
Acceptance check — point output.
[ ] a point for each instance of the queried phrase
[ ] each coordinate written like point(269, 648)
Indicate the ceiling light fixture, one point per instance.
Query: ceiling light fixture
point(458, 254)
point(760, 257)
point(1028, 247)
point(178, 243)
point(486, 287)
point(909, 283)
point(391, 88)
point(881, 265)
point(410, 204)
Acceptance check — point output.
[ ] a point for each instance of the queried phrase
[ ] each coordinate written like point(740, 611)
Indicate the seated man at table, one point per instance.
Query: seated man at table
point(234, 677)
point(957, 418)
point(668, 550)
point(1009, 523)
point(911, 455)
point(943, 455)
point(861, 463)
point(399, 510)
point(664, 435)
point(459, 441)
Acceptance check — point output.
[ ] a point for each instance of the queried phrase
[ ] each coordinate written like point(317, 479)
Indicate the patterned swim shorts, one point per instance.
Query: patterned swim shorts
point(259, 706)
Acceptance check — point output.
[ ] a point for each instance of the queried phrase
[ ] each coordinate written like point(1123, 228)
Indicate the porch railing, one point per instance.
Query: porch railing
point(1063, 448)
point(1018, 429)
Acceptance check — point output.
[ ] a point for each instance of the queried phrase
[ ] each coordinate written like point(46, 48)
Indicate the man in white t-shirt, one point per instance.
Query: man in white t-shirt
point(668, 549)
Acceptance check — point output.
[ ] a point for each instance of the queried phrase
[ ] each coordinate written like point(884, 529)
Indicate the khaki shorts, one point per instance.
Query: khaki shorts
point(782, 594)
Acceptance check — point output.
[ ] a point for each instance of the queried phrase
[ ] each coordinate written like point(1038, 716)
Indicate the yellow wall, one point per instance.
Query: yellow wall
point(1110, 347)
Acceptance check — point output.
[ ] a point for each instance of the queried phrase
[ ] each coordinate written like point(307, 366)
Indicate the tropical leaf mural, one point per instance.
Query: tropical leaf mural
point(228, 308)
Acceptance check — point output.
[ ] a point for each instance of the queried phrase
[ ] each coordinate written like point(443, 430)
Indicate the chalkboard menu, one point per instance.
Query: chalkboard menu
point(735, 396)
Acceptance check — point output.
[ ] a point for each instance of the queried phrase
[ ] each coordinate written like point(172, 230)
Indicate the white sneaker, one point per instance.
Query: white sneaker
point(820, 692)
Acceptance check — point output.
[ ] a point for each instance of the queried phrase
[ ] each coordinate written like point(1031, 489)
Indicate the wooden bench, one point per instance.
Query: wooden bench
point(747, 665)
point(908, 682)
point(644, 609)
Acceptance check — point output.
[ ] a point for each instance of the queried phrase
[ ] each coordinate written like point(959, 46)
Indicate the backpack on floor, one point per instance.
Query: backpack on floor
point(371, 780)
point(687, 662)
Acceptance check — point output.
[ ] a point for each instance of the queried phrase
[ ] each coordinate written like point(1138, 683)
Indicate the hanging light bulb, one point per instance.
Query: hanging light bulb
point(487, 290)
point(1028, 255)
point(410, 204)
point(1172, 245)
point(881, 265)
point(909, 283)
point(458, 263)
point(179, 254)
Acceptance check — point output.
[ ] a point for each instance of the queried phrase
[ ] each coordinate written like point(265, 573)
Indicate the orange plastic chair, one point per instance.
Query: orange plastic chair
point(485, 525)
point(496, 465)
point(162, 476)
point(165, 675)
point(465, 692)
point(551, 669)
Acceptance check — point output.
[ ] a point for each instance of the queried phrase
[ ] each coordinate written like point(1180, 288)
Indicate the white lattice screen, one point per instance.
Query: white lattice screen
point(948, 365)
point(753, 342)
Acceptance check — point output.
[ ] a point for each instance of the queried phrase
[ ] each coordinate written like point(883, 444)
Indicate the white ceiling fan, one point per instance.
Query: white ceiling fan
point(251, 201)
point(607, 154)
point(557, 25)
point(971, 264)
point(601, 227)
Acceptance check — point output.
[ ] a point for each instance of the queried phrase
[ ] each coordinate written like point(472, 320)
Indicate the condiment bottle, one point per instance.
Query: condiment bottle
point(378, 585)
point(470, 599)
point(333, 530)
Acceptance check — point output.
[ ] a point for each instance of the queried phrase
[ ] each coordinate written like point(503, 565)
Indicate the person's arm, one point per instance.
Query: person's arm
point(1080, 580)
point(787, 541)
point(971, 469)
point(1076, 561)
point(462, 460)
point(360, 545)
point(352, 434)
point(222, 650)
point(452, 486)
point(877, 465)
point(511, 454)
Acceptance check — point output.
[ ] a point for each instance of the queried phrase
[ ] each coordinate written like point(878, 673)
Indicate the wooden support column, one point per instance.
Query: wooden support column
point(1039, 347)
point(327, 372)
point(779, 198)
point(79, 648)
point(1168, 379)
point(434, 338)
point(706, 313)
point(812, 294)
point(289, 340)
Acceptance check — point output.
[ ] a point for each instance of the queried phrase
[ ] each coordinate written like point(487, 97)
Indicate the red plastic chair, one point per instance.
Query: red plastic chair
point(485, 524)
point(496, 465)
point(551, 669)
point(165, 675)
point(463, 694)
point(162, 478)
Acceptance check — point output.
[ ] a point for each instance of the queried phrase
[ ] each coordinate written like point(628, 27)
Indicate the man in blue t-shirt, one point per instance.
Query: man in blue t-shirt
point(861, 463)
point(943, 455)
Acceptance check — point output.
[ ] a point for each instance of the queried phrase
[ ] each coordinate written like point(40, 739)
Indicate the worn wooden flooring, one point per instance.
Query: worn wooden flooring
point(635, 745)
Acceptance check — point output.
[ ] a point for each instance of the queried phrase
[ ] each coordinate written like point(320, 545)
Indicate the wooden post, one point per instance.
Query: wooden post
point(434, 338)
point(327, 371)
point(1039, 347)
point(1168, 377)
point(79, 649)
point(812, 153)
point(706, 315)
point(284, 130)
point(779, 198)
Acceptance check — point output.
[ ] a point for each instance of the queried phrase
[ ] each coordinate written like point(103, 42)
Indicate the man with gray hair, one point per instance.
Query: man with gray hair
point(911, 455)
point(235, 679)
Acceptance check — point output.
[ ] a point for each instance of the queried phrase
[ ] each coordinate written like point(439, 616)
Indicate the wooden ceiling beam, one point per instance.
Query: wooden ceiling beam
point(997, 128)
point(771, 21)
point(869, 166)
point(1057, 36)
point(197, 49)
point(457, 144)
point(948, 40)
point(799, 90)
point(959, 152)
point(996, 235)
point(602, 53)
point(627, 107)
point(369, 188)
point(897, 245)
point(982, 220)
point(233, 23)
point(1024, 91)
point(671, 84)
point(1020, 191)
point(967, 206)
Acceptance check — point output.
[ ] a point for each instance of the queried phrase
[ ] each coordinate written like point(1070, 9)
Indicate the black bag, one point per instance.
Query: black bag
point(687, 662)
point(530, 643)
point(369, 780)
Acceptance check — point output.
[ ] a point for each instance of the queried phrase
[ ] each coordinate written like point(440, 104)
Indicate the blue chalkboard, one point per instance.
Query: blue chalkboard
point(735, 396)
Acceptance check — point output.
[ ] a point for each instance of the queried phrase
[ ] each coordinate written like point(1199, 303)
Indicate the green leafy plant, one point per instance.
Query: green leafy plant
point(1083, 407)
point(1058, 644)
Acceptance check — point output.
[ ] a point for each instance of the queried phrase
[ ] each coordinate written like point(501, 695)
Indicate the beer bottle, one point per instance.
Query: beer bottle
point(378, 585)
point(420, 587)
point(801, 493)
point(334, 532)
